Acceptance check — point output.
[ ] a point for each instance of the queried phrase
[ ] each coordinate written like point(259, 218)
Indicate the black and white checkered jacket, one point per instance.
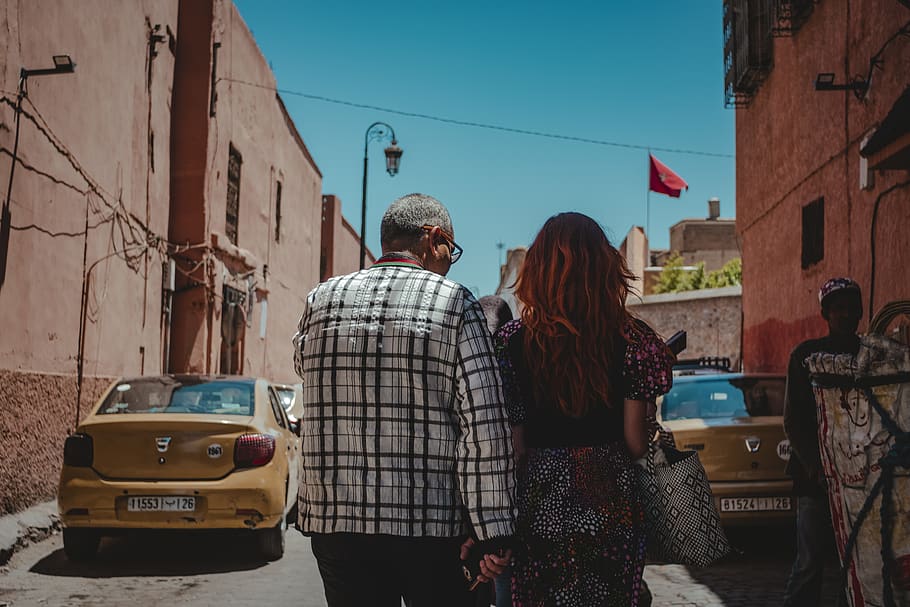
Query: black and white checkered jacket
point(404, 427)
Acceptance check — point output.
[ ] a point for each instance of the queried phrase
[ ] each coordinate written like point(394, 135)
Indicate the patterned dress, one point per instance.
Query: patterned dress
point(579, 536)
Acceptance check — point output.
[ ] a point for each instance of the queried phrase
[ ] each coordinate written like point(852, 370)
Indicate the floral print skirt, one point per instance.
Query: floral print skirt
point(580, 534)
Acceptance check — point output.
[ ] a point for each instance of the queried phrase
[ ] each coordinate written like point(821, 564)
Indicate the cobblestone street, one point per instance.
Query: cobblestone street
point(756, 577)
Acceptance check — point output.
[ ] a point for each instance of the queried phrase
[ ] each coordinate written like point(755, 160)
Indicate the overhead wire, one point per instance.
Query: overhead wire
point(479, 125)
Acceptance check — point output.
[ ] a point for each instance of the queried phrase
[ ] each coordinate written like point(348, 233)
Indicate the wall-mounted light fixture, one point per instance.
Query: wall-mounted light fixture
point(825, 82)
point(63, 64)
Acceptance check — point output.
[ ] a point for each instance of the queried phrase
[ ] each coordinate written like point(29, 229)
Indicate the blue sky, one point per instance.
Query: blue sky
point(641, 73)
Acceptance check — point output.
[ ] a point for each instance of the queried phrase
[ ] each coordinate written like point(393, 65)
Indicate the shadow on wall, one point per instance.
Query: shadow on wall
point(767, 346)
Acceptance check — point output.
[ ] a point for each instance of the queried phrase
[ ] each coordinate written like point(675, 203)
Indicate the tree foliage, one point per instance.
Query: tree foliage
point(675, 278)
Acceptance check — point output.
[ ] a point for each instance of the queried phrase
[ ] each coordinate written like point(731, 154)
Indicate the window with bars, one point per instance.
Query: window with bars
point(813, 233)
point(748, 48)
point(235, 160)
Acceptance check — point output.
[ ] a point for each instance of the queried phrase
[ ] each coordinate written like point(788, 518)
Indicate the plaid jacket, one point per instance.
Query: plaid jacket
point(404, 427)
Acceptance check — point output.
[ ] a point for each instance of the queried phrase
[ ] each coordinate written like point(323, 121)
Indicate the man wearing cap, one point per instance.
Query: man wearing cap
point(842, 308)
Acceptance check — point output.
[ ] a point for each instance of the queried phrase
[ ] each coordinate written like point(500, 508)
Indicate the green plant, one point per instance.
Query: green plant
point(674, 278)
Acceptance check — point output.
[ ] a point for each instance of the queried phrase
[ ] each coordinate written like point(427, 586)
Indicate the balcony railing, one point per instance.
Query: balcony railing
point(748, 48)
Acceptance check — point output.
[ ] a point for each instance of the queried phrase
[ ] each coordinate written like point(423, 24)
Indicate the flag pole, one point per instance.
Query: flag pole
point(648, 199)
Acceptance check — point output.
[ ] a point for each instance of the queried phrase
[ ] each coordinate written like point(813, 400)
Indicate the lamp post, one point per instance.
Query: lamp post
point(62, 65)
point(376, 132)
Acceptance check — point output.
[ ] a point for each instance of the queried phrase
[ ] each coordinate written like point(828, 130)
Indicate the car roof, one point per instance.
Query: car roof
point(703, 377)
point(182, 377)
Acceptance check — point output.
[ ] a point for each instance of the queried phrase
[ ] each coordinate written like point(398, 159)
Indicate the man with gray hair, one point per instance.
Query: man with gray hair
point(406, 446)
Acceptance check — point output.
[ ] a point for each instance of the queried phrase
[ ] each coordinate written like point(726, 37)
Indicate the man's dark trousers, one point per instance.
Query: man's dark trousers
point(379, 570)
point(813, 537)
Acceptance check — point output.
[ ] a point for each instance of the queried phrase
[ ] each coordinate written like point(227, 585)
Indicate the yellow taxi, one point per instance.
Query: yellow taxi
point(734, 422)
point(181, 452)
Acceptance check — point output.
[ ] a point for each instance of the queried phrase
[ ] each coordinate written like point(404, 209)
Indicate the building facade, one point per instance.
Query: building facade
point(163, 217)
point(246, 204)
point(340, 242)
point(813, 82)
point(81, 240)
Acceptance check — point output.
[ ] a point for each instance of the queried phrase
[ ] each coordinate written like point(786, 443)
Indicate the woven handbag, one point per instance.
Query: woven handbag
point(681, 520)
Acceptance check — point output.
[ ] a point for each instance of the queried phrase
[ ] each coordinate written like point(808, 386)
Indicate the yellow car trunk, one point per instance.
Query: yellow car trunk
point(735, 449)
point(165, 447)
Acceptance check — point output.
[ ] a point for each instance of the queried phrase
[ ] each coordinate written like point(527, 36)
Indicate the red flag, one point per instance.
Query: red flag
point(665, 181)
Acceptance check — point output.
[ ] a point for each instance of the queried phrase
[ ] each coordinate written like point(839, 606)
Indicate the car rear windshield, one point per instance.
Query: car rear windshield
point(724, 397)
point(172, 395)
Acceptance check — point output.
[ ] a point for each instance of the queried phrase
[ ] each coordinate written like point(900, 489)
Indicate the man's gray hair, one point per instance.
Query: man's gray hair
point(404, 219)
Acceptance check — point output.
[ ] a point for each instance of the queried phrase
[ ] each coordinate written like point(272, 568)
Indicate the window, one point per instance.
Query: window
point(278, 212)
point(813, 232)
point(748, 48)
point(233, 194)
point(720, 397)
point(185, 395)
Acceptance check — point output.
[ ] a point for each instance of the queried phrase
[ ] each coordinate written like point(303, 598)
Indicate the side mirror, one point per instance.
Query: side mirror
point(294, 425)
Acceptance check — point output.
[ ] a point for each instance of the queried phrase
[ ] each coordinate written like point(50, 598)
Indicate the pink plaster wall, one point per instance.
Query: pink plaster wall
point(116, 125)
point(105, 152)
point(793, 145)
point(340, 241)
point(104, 115)
point(255, 122)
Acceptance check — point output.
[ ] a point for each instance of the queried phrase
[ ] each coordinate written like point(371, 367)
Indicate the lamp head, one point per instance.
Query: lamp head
point(393, 158)
point(63, 63)
point(824, 81)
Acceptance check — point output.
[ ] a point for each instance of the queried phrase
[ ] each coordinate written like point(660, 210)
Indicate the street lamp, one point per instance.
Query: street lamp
point(62, 65)
point(376, 132)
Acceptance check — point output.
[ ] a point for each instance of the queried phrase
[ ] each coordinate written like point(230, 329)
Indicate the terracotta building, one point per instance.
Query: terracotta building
point(821, 160)
point(246, 200)
point(712, 318)
point(711, 241)
point(340, 242)
point(163, 217)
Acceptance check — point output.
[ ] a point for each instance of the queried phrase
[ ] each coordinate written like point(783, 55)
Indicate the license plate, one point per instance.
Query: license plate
point(753, 504)
point(161, 503)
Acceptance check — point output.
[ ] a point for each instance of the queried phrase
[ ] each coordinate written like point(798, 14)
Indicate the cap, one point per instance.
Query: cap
point(833, 285)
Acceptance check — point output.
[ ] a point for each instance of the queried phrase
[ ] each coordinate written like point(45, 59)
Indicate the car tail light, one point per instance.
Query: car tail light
point(252, 450)
point(78, 450)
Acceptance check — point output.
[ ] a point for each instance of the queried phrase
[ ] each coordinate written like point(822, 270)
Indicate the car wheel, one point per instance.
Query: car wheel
point(271, 541)
point(80, 544)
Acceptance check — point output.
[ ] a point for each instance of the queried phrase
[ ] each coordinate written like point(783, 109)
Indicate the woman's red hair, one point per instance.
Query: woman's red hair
point(573, 285)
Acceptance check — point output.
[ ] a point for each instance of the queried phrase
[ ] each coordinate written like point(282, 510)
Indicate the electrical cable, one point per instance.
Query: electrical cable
point(479, 125)
point(876, 60)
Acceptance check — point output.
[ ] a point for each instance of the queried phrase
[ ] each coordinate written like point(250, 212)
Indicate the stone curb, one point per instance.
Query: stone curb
point(23, 528)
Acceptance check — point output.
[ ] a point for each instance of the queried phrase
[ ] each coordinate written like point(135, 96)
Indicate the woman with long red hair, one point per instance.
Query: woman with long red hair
point(578, 371)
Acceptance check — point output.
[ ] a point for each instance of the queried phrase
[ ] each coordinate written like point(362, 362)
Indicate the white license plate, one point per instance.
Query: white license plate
point(753, 504)
point(160, 503)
